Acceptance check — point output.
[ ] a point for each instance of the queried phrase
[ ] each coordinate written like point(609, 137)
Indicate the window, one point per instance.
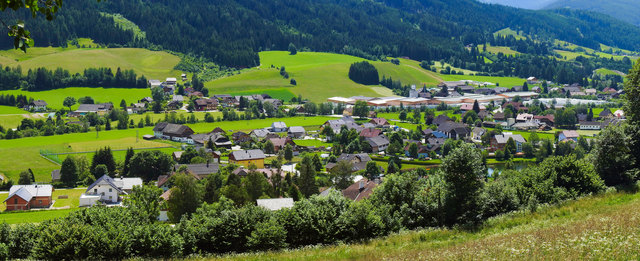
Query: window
point(40, 202)
point(110, 190)
point(110, 197)
point(95, 190)
point(15, 201)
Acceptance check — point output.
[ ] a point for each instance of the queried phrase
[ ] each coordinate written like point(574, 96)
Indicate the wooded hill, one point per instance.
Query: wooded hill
point(231, 32)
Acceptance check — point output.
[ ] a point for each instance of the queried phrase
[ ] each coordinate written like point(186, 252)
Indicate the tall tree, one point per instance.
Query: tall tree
point(185, 198)
point(288, 152)
point(463, 173)
point(632, 112)
point(103, 156)
point(360, 109)
point(150, 164)
point(144, 201)
point(476, 106)
point(69, 172)
point(127, 161)
point(307, 180)
point(342, 174)
point(68, 102)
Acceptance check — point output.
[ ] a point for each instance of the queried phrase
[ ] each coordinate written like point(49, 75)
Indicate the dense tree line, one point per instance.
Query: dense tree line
point(364, 73)
point(44, 79)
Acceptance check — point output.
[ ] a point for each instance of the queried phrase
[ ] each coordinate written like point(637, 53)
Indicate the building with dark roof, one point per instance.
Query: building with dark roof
point(360, 190)
point(174, 132)
point(100, 109)
point(378, 144)
point(296, 132)
point(247, 157)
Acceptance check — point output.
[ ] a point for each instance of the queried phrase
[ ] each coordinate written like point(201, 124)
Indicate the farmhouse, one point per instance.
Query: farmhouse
point(108, 190)
point(370, 133)
point(379, 122)
point(247, 157)
point(100, 109)
point(378, 143)
point(25, 197)
point(296, 132)
point(154, 83)
point(37, 105)
point(174, 132)
point(206, 104)
point(280, 143)
point(568, 135)
point(259, 134)
point(219, 140)
point(240, 137)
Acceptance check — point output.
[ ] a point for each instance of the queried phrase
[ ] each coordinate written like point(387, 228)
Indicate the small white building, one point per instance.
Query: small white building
point(278, 126)
point(587, 125)
point(154, 83)
point(108, 190)
point(171, 81)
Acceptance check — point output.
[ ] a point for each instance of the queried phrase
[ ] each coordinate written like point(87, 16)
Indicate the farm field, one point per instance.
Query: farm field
point(599, 227)
point(152, 64)
point(502, 81)
point(10, 117)
point(499, 49)
point(55, 98)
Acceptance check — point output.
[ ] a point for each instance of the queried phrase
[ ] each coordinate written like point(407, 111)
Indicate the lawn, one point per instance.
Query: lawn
point(508, 31)
point(72, 200)
point(152, 64)
point(10, 117)
point(316, 143)
point(56, 97)
point(499, 49)
point(118, 155)
point(570, 55)
point(601, 227)
point(35, 216)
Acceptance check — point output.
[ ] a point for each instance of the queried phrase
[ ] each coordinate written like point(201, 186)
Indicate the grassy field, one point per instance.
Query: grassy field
point(593, 228)
point(55, 97)
point(318, 76)
point(502, 81)
point(35, 216)
point(509, 31)
point(499, 49)
point(10, 117)
point(605, 71)
point(152, 64)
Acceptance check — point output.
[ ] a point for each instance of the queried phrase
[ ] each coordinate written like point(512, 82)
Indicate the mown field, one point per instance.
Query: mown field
point(605, 227)
point(55, 98)
point(152, 64)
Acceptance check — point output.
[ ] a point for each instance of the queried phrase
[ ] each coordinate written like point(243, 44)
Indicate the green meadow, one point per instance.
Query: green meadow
point(35, 216)
point(502, 81)
point(55, 98)
point(152, 64)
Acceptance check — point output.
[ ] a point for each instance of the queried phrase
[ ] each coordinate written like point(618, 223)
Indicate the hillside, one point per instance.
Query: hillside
point(318, 76)
point(625, 10)
point(528, 4)
point(602, 227)
point(152, 64)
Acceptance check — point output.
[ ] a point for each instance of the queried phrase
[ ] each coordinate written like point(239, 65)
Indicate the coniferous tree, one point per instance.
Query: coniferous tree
point(307, 180)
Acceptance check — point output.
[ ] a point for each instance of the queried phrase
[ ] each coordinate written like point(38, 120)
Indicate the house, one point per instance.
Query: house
point(37, 105)
point(571, 89)
point(605, 114)
point(247, 157)
point(274, 204)
point(379, 122)
point(370, 133)
point(440, 119)
point(55, 175)
point(423, 150)
point(268, 173)
point(240, 137)
point(485, 91)
point(154, 83)
point(200, 171)
point(174, 105)
point(358, 161)
point(336, 125)
point(469, 107)
point(359, 190)
point(146, 100)
point(184, 77)
point(219, 131)
point(25, 197)
point(378, 143)
point(524, 117)
point(108, 190)
point(590, 125)
point(171, 81)
point(568, 135)
point(206, 104)
point(476, 133)
point(100, 109)
point(590, 91)
point(536, 89)
point(174, 132)
point(219, 140)
point(499, 117)
point(296, 132)
point(259, 134)
point(454, 130)
point(546, 119)
point(619, 114)
point(498, 142)
point(278, 126)
point(281, 143)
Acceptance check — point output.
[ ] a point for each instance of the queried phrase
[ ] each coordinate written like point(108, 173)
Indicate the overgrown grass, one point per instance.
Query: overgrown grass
point(600, 227)
point(35, 216)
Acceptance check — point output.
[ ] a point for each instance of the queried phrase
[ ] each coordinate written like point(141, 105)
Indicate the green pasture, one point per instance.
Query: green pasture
point(499, 49)
point(55, 98)
point(35, 216)
point(502, 81)
point(152, 64)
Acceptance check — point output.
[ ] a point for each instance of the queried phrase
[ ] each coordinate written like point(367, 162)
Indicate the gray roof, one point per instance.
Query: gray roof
point(172, 129)
point(39, 103)
point(296, 129)
point(201, 169)
point(275, 203)
point(279, 125)
point(378, 141)
point(178, 98)
point(55, 174)
point(260, 133)
point(94, 107)
point(247, 154)
point(502, 139)
point(348, 157)
point(106, 179)
point(27, 192)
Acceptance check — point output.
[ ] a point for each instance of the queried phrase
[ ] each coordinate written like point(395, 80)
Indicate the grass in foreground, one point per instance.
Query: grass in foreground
point(35, 216)
point(600, 227)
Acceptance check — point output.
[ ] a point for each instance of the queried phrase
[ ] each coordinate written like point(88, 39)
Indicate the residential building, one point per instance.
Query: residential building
point(281, 143)
point(240, 137)
point(247, 157)
point(100, 109)
point(296, 132)
point(37, 105)
point(358, 161)
point(476, 134)
point(370, 133)
point(499, 142)
point(174, 132)
point(108, 190)
point(378, 143)
point(379, 122)
point(219, 140)
point(201, 171)
point(454, 130)
point(360, 190)
point(590, 125)
point(259, 134)
point(154, 83)
point(206, 104)
point(25, 197)
point(568, 135)
point(278, 126)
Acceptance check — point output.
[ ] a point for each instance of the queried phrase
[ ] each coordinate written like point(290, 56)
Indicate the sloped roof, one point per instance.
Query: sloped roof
point(378, 141)
point(172, 129)
point(296, 129)
point(359, 190)
point(106, 179)
point(247, 154)
point(502, 139)
point(279, 125)
point(201, 169)
point(26, 192)
point(94, 107)
point(260, 133)
point(39, 103)
point(571, 134)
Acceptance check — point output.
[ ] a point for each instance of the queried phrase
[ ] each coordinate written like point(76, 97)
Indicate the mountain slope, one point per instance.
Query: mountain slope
point(527, 4)
point(625, 10)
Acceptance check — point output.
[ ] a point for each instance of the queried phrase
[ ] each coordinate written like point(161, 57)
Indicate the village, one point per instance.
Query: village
point(355, 149)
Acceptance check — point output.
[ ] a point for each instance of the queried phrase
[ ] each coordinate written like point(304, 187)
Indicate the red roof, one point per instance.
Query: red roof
point(370, 133)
